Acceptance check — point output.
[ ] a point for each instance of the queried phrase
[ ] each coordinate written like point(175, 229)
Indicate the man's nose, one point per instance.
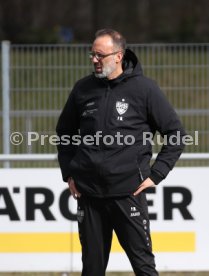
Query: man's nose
point(94, 59)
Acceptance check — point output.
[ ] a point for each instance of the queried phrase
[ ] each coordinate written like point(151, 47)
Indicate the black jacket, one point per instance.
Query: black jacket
point(132, 105)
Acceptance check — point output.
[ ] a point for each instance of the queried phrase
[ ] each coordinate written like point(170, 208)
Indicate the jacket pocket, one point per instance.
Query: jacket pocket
point(143, 172)
point(141, 175)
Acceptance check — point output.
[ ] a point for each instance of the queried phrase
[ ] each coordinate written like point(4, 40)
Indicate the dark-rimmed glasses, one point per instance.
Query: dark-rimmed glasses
point(99, 56)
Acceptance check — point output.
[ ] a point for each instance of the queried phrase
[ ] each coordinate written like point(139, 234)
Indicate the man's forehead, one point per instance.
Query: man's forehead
point(103, 41)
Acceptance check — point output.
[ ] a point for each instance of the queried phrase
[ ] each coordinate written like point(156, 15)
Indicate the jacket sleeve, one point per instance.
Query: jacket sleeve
point(67, 126)
point(164, 119)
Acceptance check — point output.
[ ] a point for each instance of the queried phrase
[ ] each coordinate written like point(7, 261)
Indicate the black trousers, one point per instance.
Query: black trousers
point(128, 217)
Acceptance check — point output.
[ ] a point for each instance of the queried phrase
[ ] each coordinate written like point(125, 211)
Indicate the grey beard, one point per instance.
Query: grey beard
point(105, 73)
point(100, 76)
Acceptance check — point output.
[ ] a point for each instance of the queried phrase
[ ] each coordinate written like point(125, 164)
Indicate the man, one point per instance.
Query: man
point(109, 170)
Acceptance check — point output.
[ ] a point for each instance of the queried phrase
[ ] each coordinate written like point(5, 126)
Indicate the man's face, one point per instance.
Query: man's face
point(106, 66)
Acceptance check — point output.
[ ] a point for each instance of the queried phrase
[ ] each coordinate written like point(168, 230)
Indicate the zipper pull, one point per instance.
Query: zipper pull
point(140, 173)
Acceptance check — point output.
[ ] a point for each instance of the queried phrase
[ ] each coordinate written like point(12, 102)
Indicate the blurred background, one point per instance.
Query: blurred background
point(75, 21)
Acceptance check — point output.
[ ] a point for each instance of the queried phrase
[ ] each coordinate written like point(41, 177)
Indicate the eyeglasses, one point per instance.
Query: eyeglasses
point(99, 56)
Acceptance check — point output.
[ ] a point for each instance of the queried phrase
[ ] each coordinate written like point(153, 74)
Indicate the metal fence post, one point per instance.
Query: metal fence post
point(6, 98)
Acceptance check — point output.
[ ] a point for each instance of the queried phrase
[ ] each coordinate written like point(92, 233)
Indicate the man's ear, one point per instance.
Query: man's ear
point(118, 57)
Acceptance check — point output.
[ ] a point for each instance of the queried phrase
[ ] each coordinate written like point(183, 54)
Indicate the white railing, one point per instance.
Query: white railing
point(28, 157)
point(53, 157)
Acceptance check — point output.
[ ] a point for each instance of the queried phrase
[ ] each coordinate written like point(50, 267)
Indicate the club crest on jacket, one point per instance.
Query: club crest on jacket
point(121, 107)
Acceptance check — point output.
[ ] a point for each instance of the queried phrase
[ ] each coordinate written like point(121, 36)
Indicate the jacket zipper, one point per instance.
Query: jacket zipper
point(105, 112)
point(103, 128)
point(107, 93)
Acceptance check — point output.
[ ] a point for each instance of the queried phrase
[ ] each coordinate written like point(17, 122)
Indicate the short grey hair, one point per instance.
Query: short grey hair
point(117, 38)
